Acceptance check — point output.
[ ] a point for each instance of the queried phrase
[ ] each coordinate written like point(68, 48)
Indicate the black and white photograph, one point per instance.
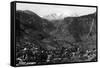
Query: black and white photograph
point(48, 34)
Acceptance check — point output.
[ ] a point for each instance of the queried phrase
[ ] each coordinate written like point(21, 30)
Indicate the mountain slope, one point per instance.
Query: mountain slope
point(69, 30)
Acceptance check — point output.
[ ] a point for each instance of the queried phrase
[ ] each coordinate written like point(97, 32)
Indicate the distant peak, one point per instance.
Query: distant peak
point(55, 16)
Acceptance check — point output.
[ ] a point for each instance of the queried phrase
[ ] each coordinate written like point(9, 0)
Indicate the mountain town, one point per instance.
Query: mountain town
point(40, 40)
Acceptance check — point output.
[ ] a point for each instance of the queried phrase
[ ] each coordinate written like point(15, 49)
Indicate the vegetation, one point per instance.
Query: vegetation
point(41, 41)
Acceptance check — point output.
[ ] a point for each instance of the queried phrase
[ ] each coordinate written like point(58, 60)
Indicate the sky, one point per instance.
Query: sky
point(44, 9)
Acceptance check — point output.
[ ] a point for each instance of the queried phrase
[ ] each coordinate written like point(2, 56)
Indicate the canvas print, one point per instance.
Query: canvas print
point(55, 34)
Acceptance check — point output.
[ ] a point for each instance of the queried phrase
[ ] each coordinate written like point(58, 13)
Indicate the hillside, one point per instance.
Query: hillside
point(34, 33)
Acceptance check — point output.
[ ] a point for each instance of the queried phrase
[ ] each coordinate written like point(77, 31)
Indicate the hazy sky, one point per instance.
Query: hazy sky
point(42, 9)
